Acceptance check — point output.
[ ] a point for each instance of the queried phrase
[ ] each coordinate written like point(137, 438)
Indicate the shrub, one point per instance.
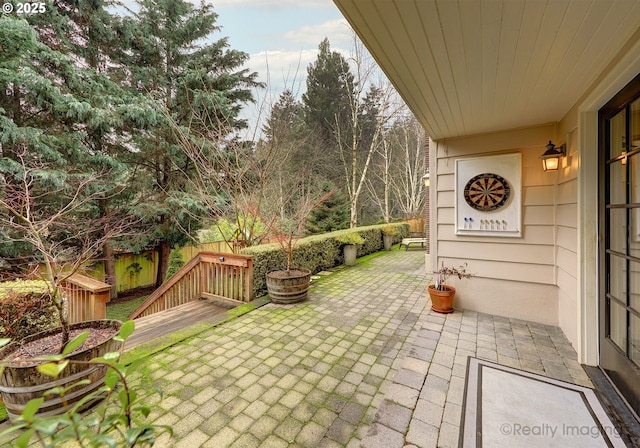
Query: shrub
point(175, 263)
point(351, 238)
point(315, 253)
point(25, 308)
point(121, 418)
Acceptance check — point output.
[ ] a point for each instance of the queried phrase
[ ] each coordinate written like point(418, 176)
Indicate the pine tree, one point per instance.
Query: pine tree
point(87, 33)
point(330, 88)
point(199, 83)
point(47, 105)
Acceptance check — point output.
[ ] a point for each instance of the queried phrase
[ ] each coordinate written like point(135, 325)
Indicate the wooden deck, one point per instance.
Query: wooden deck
point(175, 319)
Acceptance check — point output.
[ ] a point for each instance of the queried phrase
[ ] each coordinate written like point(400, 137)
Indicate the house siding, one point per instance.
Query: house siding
point(515, 277)
point(567, 242)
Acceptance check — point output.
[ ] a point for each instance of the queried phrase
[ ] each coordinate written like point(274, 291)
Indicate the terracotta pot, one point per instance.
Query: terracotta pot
point(442, 300)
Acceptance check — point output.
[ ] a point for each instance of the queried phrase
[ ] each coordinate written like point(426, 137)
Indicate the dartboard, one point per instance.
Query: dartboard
point(487, 191)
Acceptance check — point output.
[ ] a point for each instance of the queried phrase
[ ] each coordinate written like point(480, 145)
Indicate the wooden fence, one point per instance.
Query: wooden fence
point(222, 277)
point(86, 298)
point(417, 225)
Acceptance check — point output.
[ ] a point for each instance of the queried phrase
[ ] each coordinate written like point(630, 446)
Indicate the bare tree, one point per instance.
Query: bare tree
point(396, 181)
point(243, 181)
point(407, 184)
point(60, 223)
point(372, 108)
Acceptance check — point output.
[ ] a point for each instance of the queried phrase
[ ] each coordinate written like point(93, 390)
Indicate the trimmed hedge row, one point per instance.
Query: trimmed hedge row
point(316, 253)
point(26, 313)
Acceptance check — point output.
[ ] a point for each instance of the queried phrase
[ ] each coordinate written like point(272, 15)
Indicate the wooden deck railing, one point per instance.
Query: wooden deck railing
point(87, 298)
point(222, 277)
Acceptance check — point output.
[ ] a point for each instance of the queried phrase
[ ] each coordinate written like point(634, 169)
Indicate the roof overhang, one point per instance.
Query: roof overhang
point(467, 67)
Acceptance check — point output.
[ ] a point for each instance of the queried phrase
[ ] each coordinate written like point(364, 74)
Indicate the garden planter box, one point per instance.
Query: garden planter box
point(21, 381)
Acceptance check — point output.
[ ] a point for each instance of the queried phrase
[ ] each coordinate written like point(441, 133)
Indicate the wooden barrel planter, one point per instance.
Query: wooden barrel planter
point(288, 287)
point(21, 382)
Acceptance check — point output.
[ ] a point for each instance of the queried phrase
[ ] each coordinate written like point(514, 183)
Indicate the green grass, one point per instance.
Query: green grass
point(121, 311)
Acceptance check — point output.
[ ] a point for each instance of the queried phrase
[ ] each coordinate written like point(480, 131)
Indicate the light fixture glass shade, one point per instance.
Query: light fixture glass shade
point(551, 163)
point(426, 179)
point(551, 157)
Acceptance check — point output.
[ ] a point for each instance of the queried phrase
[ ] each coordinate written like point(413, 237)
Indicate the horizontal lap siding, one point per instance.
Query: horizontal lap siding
point(567, 243)
point(532, 256)
point(522, 272)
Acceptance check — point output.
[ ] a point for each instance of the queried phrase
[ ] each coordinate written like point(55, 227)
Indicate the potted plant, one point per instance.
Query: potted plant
point(351, 241)
point(291, 285)
point(64, 234)
point(121, 419)
point(442, 294)
point(388, 233)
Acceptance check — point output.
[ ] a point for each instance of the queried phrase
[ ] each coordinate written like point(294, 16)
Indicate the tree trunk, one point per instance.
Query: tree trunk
point(110, 269)
point(164, 249)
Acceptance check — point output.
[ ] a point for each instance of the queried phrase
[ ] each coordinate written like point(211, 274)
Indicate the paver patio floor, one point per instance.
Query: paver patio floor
point(363, 362)
point(305, 375)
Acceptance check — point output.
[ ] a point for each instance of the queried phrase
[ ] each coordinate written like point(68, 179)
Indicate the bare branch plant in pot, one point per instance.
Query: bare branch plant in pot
point(291, 285)
point(441, 294)
point(61, 224)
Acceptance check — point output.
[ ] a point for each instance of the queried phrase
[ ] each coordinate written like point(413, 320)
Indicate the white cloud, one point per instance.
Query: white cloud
point(270, 4)
point(338, 31)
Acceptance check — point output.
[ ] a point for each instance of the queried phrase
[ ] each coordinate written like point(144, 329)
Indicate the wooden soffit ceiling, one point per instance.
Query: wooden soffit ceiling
point(474, 66)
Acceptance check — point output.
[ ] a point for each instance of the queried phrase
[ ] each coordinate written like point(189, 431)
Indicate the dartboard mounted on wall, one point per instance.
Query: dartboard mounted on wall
point(487, 192)
point(486, 203)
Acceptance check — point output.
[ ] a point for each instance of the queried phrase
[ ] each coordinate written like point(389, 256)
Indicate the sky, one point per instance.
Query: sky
point(282, 38)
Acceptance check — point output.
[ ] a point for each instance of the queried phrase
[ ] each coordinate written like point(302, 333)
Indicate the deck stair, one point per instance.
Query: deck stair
point(219, 277)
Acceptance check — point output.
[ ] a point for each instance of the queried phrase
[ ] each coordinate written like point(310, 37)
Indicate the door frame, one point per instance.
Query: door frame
point(622, 372)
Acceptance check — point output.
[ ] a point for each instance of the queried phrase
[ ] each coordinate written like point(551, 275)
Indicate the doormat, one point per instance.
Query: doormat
point(504, 406)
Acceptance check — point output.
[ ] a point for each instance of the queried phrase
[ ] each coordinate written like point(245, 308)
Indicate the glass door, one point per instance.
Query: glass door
point(620, 253)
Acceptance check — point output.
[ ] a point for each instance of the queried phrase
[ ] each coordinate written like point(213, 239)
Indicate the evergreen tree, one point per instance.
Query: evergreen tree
point(87, 33)
point(199, 83)
point(332, 214)
point(47, 104)
point(330, 88)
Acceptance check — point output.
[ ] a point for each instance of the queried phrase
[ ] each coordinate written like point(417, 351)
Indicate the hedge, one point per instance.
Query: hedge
point(316, 253)
point(25, 308)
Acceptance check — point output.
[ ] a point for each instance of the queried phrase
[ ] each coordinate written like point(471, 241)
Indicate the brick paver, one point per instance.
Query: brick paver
point(307, 375)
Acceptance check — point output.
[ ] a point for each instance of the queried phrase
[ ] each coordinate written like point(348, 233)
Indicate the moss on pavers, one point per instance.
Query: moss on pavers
point(165, 342)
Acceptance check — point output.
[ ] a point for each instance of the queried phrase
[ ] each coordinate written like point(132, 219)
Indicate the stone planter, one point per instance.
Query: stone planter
point(387, 240)
point(288, 287)
point(21, 382)
point(350, 254)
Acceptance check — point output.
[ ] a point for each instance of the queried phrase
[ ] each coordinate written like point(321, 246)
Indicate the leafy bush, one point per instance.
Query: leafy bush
point(175, 263)
point(351, 238)
point(315, 253)
point(120, 419)
point(25, 308)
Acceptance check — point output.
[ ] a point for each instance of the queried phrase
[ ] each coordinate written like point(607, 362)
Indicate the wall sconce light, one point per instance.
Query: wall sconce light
point(426, 179)
point(551, 157)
